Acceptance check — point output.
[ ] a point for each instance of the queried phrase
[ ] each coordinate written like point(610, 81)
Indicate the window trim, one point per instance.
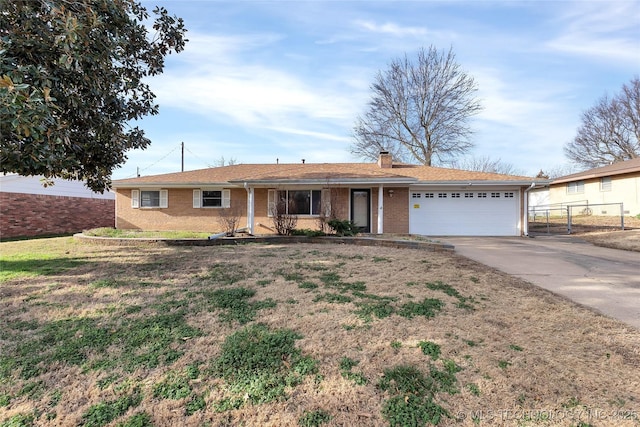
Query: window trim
point(136, 198)
point(575, 187)
point(198, 194)
point(324, 207)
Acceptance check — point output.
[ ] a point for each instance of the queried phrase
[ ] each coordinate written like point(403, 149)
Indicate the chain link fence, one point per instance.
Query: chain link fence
point(575, 218)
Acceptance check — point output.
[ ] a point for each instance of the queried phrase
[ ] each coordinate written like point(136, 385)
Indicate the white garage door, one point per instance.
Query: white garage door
point(464, 213)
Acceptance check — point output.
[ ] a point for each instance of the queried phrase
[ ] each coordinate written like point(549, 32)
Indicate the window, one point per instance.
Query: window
point(495, 195)
point(296, 202)
point(482, 195)
point(509, 195)
point(455, 195)
point(428, 195)
point(211, 198)
point(149, 199)
point(576, 187)
point(468, 195)
point(416, 195)
point(442, 195)
point(605, 183)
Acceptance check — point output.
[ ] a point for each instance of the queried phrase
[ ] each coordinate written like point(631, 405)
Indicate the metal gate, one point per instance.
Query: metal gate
point(577, 218)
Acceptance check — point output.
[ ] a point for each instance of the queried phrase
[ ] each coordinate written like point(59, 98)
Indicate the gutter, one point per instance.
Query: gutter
point(525, 228)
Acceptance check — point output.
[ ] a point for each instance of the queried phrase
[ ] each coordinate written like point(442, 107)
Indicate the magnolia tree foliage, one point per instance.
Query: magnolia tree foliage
point(610, 130)
point(419, 110)
point(72, 83)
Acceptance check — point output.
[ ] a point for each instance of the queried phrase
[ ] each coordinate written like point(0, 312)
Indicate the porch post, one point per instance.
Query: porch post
point(380, 209)
point(250, 208)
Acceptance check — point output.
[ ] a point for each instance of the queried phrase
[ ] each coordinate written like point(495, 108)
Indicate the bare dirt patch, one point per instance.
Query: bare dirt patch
point(628, 240)
point(519, 355)
point(600, 230)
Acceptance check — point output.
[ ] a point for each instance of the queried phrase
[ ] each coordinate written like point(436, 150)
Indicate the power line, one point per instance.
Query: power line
point(197, 157)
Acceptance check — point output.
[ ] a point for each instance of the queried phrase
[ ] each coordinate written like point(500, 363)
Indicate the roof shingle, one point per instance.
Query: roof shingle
point(618, 168)
point(318, 172)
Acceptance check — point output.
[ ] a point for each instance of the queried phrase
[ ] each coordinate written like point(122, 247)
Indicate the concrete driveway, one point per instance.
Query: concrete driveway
point(607, 280)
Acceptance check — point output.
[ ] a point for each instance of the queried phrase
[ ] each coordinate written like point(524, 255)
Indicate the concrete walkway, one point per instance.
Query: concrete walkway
point(607, 280)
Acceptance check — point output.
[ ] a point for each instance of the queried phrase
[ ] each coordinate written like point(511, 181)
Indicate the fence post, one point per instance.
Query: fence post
point(568, 219)
point(548, 232)
point(622, 216)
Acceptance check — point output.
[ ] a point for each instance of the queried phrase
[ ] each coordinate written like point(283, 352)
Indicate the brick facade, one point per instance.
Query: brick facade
point(180, 214)
point(29, 215)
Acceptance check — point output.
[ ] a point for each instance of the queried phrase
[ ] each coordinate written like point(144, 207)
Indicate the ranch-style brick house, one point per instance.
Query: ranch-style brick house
point(382, 197)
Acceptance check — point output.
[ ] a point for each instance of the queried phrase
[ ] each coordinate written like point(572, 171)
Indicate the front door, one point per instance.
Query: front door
point(361, 209)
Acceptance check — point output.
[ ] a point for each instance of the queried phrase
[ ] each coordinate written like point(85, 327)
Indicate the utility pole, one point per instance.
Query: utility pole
point(182, 157)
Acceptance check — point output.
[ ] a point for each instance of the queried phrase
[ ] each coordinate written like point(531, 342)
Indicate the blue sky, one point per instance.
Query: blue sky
point(266, 80)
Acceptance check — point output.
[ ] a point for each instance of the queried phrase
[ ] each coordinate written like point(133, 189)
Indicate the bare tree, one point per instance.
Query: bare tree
point(224, 162)
point(419, 110)
point(283, 221)
point(610, 130)
point(229, 218)
point(558, 170)
point(485, 164)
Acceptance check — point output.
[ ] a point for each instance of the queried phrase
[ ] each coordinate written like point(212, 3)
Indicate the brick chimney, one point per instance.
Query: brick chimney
point(384, 160)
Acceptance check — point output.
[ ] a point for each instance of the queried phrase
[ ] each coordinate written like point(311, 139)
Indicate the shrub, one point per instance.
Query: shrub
point(343, 227)
point(307, 232)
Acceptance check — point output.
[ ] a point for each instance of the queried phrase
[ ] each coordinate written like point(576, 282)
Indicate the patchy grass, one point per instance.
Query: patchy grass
point(305, 335)
point(259, 365)
point(137, 234)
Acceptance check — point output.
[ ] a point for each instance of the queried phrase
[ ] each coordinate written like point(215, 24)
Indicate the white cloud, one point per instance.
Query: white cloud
point(607, 31)
point(392, 29)
point(216, 80)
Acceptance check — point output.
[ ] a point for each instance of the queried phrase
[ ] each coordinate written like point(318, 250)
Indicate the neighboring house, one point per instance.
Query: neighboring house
point(602, 189)
point(28, 209)
point(379, 198)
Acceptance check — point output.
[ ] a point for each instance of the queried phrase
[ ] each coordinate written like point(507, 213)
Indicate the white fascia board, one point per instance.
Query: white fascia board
point(225, 184)
point(480, 183)
point(324, 182)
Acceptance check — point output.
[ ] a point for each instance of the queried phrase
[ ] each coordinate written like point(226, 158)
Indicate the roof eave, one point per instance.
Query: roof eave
point(326, 182)
point(585, 177)
point(515, 183)
point(194, 184)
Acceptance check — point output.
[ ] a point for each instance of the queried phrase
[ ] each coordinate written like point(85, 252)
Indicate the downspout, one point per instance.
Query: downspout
point(526, 209)
point(250, 208)
point(380, 210)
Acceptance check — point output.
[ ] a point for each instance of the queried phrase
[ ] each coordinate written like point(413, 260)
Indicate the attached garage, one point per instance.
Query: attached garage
point(446, 212)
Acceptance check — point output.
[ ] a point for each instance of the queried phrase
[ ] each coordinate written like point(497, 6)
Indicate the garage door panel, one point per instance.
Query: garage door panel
point(478, 213)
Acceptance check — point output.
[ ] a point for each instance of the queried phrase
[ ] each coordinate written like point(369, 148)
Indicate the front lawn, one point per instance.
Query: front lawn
point(297, 335)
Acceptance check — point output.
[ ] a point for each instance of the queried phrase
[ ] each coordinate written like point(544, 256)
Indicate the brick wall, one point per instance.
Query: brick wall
point(396, 211)
point(180, 214)
point(29, 215)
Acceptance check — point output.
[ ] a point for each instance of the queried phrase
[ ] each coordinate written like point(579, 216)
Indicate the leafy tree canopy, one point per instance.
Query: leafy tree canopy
point(71, 84)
